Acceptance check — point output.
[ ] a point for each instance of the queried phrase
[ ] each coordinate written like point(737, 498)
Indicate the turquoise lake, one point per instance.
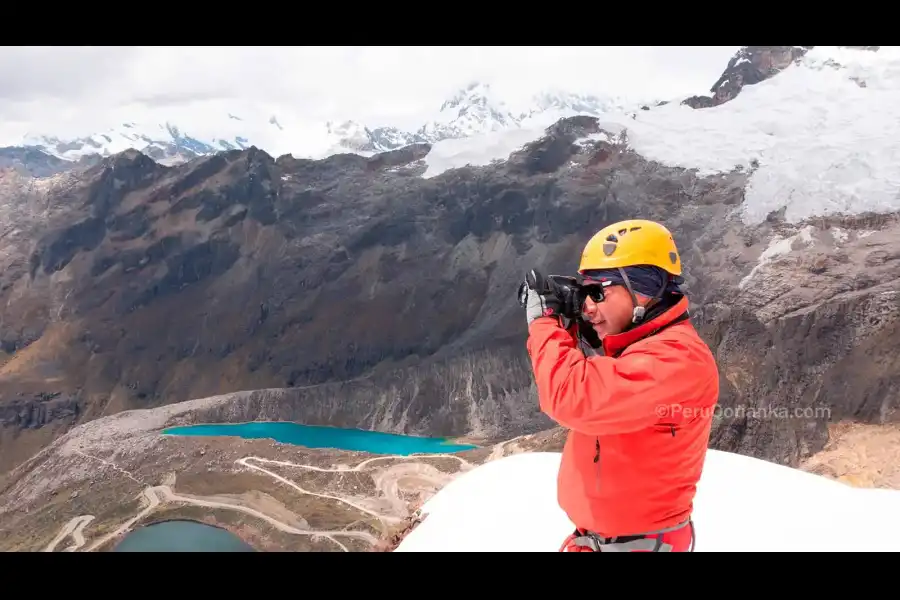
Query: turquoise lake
point(313, 436)
point(181, 536)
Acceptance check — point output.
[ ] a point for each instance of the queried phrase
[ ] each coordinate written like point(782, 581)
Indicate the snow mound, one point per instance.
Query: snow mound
point(743, 504)
point(477, 150)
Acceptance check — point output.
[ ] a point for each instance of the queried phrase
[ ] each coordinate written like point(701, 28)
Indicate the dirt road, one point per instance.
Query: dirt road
point(170, 496)
point(152, 503)
point(156, 495)
point(245, 462)
point(75, 528)
point(386, 482)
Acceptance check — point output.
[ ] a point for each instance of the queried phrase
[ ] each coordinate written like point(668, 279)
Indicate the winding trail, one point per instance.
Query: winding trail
point(288, 482)
point(357, 468)
point(388, 486)
point(391, 490)
point(75, 528)
point(155, 495)
point(169, 496)
point(152, 503)
point(78, 533)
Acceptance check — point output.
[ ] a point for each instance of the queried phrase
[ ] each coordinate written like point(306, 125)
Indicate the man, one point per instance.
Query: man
point(635, 385)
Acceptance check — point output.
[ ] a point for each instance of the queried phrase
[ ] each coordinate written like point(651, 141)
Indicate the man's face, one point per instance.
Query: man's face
point(611, 315)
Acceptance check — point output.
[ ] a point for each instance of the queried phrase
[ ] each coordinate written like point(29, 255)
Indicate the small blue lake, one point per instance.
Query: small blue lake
point(313, 436)
point(181, 536)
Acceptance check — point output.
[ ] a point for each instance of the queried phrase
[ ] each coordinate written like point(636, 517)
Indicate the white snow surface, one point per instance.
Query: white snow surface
point(743, 504)
point(476, 150)
point(825, 133)
point(825, 144)
point(218, 124)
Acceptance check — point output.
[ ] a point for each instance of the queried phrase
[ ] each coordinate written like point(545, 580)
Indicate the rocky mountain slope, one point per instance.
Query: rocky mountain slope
point(371, 296)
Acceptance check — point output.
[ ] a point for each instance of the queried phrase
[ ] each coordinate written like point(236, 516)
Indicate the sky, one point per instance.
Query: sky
point(62, 87)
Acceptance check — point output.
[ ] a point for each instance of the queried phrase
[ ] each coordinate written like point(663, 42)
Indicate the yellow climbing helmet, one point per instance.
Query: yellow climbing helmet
point(630, 243)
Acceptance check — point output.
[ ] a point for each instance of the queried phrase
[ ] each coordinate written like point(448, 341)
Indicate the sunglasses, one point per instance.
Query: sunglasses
point(595, 290)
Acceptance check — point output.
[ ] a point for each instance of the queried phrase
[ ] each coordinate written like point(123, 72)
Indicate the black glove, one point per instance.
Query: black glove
point(544, 296)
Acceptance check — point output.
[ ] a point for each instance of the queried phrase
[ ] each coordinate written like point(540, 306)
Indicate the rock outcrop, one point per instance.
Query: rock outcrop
point(749, 66)
point(752, 65)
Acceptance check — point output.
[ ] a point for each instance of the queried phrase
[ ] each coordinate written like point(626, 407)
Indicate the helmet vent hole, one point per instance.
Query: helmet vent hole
point(608, 249)
point(612, 238)
point(673, 257)
point(634, 229)
point(623, 231)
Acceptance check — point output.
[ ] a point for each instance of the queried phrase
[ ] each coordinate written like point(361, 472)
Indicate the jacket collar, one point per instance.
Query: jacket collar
point(613, 344)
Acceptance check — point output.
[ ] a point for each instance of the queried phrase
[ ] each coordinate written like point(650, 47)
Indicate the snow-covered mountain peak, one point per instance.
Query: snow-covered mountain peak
point(163, 140)
point(173, 135)
point(352, 134)
point(479, 108)
point(348, 128)
point(479, 96)
point(473, 94)
point(472, 110)
point(561, 100)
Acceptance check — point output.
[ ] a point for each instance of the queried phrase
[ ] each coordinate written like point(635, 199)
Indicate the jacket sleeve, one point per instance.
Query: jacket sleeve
point(600, 395)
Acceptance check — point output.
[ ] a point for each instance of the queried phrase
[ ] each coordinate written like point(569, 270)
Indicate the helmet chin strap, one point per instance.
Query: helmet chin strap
point(638, 312)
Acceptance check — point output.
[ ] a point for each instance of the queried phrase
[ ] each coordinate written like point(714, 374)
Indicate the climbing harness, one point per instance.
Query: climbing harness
point(654, 541)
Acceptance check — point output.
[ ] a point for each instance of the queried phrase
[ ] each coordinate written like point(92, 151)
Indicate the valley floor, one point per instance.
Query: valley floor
point(273, 498)
point(279, 497)
point(392, 481)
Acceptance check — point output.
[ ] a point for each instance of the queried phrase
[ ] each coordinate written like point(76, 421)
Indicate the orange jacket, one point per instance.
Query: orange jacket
point(639, 420)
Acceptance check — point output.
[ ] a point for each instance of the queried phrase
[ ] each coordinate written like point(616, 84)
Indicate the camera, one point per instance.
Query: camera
point(566, 289)
point(570, 292)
